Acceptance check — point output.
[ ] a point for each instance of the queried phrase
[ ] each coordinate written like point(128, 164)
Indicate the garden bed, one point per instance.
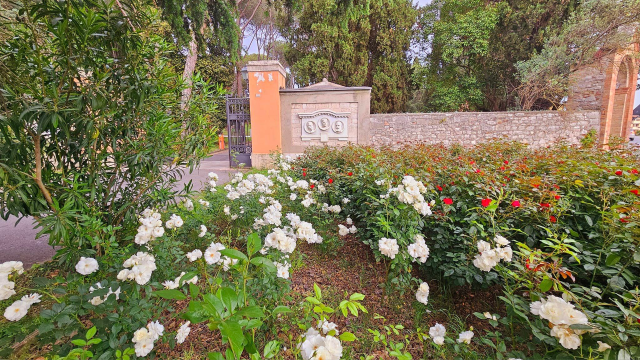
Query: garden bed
point(501, 230)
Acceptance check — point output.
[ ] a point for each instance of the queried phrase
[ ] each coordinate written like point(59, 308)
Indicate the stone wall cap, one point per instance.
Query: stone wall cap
point(326, 85)
point(266, 65)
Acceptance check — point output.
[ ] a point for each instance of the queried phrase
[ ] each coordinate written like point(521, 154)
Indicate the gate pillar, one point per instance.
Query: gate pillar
point(266, 78)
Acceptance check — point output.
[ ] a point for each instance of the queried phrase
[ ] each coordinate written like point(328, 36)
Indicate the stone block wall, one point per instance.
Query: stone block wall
point(536, 128)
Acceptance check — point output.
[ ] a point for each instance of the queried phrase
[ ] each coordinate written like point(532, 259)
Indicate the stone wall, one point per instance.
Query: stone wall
point(537, 128)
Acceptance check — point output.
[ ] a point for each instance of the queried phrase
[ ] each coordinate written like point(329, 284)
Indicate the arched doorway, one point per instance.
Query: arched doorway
point(620, 103)
point(618, 99)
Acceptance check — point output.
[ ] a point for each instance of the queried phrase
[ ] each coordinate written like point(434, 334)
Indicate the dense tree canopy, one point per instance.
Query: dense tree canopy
point(354, 43)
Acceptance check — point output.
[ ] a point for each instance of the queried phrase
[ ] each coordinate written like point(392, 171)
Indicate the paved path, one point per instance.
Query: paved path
point(18, 242)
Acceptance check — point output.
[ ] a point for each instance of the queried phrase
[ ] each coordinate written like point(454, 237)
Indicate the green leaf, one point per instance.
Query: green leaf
point(264, 262)
point(271, 349)
point(318, 292)
point(347, 336)
point(280, 310)
point(215, 356)
point(186, 277)
point(194, 290)
point(546, 284)
point(254, 243)
point(233, 331)
point(79, 342)
point(252, 311)
point(234, 254)
point(313, 300)
point(589, 221)
point(229, 298)
point(171, 294)
point(612, 259)
point(356, 297)
point(91, 333)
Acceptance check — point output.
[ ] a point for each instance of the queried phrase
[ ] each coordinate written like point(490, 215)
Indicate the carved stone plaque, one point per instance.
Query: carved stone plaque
point(325, 125)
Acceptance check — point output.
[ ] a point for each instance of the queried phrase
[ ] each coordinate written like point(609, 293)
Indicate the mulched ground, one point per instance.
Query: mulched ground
point(339, 273)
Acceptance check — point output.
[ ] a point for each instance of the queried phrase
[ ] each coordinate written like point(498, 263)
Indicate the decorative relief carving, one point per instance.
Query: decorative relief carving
point(325, 125)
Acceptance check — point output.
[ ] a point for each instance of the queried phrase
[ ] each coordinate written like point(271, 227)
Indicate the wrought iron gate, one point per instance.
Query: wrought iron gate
point(239, 127)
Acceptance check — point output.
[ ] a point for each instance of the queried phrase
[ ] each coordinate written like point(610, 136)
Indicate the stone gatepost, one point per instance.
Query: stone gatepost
point(266, 78)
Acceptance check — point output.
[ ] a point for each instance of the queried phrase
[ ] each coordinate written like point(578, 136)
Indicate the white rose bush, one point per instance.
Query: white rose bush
point(533, 245)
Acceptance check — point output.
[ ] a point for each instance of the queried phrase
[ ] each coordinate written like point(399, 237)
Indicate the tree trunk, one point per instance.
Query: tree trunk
point(189, 68)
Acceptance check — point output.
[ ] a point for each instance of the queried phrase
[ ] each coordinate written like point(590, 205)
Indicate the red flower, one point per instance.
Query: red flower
point(486, 202)
point(634, 171)
point(552, 219)
point(304, 174)
point(515, 203)
point(536, 185)
point(350, 173)
point(439, 188)
point(624, 220)
point(619, 172)
point(502, 168)
point(312, 186)
point(330, 181)
point(545, 205)
point(557, 197)
point(447, 201)
point(478, 171)
point(635, 191)
point(528, 265)
point(506, 162)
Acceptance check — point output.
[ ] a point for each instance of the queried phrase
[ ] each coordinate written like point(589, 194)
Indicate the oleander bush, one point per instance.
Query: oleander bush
point(551, 234)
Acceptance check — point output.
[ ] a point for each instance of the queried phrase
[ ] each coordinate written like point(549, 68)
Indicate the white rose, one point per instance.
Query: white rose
point(87, 266)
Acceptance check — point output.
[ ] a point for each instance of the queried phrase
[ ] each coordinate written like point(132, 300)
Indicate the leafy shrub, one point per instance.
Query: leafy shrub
point(92, 131)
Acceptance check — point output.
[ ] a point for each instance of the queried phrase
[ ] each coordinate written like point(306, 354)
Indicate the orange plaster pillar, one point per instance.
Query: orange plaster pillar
point(266, 78)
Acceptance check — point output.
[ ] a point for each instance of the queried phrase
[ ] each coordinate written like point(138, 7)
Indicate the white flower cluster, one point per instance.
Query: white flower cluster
point(97, 300)
point(204, 203)
point(174, 222)
point(308, 200)
point(305, 231)
point(253, 182)
point(142, 266)
point(343, 230)
point(169, 284)
point(6, 285)
point(87, 266)
point(334, 208)
point(419, 250)
point(194, 255)
point(188, 205)
point(150, 227)
point(212, 255)
point(300, 184)
point(144, 338)
point(203, 231)
point(561, 315)
point(228, 262)
point(318, 347)
point(488, 258)
point(281, 240)
point(282, 269)
point(183, 332)
point(437, 333)
point(422, 295)
point(20, 308)
point(212, 182)
point(465, 337)
point(410, 192)
point(272, 215)
point(388, 247)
